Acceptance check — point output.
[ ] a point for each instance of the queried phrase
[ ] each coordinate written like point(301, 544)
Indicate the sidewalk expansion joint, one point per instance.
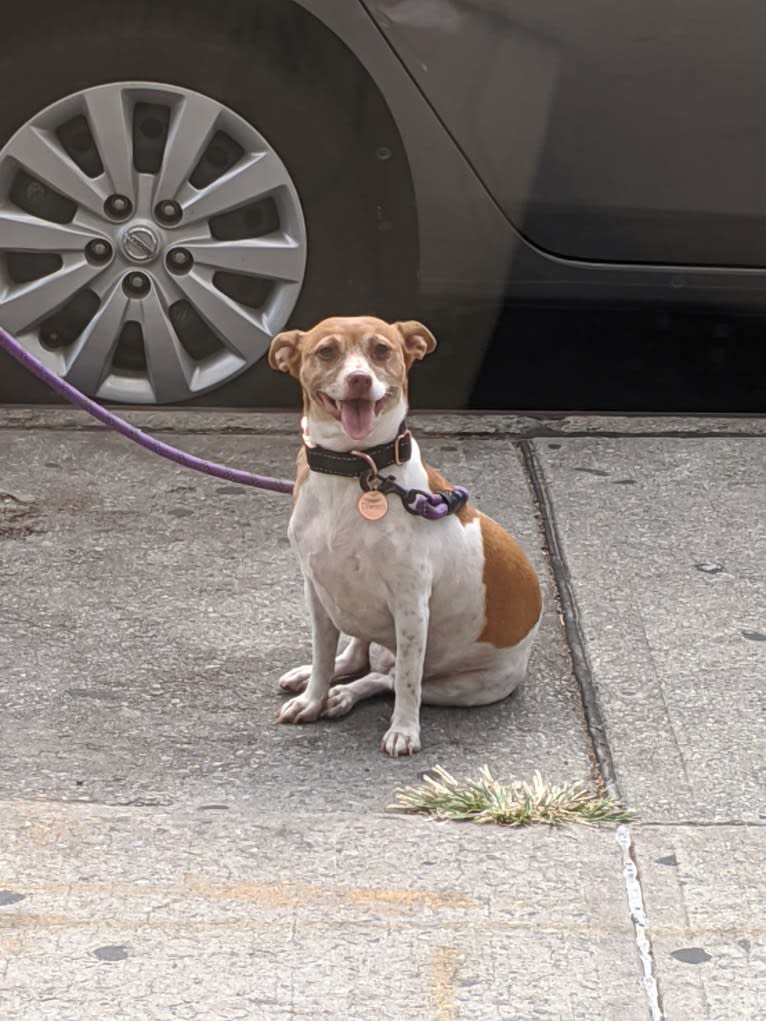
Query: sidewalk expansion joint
point(574, 636)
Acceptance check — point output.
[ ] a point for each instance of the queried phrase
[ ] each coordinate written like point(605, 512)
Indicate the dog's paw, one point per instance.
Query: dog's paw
point(340, 701)
point(301, 710)
point(295, 679)
point(401, 741)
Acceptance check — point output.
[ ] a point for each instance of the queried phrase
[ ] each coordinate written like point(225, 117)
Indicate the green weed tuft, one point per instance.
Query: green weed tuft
point(515, 803)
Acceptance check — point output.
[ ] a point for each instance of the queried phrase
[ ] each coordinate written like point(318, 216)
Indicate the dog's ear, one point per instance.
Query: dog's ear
point(284, 352)
point(418, 340)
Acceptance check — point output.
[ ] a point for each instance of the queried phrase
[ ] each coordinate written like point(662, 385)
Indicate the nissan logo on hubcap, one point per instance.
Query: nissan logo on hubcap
point(140, 244)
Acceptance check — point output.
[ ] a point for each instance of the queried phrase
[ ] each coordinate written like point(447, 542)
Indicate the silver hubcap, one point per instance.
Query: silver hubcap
point(151, 241)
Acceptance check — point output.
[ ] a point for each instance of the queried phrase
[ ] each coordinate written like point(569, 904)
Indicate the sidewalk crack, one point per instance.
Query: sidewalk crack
point(642, 937)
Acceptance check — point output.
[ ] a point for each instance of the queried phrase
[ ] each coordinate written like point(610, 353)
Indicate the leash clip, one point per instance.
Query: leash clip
point(422, 504)
point(455, 499)
point(434, 506)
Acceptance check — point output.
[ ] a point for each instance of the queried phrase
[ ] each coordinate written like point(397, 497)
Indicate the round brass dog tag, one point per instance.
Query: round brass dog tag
point(373, 505)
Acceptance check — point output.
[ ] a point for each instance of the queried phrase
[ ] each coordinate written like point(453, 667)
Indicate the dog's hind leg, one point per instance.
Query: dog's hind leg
point(353, 660)
point(483, 684)
point(343, 697)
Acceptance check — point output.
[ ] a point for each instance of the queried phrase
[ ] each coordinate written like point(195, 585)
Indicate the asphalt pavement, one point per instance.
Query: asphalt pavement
point(167, 851)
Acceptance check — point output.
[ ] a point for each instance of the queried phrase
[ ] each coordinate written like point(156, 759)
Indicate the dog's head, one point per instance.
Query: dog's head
point(353, 372)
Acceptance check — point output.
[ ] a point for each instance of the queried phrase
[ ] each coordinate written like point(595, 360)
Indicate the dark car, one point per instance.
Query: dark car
point(570, 194)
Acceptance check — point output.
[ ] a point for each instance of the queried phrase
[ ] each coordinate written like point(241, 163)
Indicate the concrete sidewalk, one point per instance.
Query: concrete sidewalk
point(168, 852)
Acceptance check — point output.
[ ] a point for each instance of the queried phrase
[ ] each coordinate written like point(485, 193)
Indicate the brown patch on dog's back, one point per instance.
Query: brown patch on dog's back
point(512, 600)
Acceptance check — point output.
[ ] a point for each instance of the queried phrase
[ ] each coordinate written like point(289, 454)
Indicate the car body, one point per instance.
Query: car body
point(491, 152)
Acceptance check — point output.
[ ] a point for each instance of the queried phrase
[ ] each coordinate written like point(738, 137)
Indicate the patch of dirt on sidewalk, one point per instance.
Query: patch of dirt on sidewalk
point(18, 518)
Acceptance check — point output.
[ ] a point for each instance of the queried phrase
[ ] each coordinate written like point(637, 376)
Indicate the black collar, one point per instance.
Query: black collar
point(353, 464)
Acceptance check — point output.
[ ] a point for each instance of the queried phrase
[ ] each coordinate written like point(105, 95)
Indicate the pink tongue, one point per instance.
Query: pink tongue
point(357, 417)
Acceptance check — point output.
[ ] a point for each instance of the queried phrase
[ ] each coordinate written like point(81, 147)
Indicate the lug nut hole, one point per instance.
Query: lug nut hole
point(98, 251)
point(118, 207)
point(179, 260)
point(136, 285)
point(168, 212)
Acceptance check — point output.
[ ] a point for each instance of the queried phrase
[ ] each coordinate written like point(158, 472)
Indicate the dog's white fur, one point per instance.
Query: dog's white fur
point(412, 594)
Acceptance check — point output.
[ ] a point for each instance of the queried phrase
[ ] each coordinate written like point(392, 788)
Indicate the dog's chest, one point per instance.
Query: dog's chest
point(365, 571)
point(356, 565)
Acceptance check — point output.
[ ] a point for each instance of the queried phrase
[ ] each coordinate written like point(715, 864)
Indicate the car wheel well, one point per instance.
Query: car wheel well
point(275, 27)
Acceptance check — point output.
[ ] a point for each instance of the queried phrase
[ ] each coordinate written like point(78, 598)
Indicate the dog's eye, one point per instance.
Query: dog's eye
point(326, 353)
point(380, 352)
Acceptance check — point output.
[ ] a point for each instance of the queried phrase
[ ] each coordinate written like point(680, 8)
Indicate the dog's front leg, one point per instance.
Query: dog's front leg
point(307, 707)
point(411, 624)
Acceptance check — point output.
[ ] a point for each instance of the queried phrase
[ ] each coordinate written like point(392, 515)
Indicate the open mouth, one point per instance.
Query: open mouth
point(357, 414)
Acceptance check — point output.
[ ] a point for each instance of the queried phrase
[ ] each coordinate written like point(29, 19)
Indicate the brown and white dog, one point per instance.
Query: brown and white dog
point(450, 607)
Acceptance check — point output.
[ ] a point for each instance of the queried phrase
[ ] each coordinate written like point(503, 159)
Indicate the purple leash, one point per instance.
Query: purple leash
point(431, 506)
point(119, 425)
